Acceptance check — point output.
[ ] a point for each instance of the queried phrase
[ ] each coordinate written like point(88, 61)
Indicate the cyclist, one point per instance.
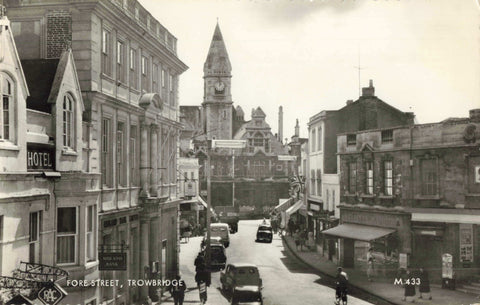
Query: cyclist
point(341, 287)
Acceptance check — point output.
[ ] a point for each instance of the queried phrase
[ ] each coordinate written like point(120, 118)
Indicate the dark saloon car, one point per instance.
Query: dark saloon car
point(264, 233)
point(218, 259)
point(247, 295)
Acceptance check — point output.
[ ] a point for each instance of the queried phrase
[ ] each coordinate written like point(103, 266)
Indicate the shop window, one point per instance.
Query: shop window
point(90, 233)
point(429, 177)
point(66, 235)
point(68, 122)
point(352, 177)
point(388, 178)
point(369, 178)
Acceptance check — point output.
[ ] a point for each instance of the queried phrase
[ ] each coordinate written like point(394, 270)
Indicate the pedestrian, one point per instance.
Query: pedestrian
point(424, 287)
point(291, 226)
point(409, 286)
point(296, 239)
point(177, 290)
point(341, 287)
point(202, 291)
point(303, 238)
point(370, 264)
point(199, 262)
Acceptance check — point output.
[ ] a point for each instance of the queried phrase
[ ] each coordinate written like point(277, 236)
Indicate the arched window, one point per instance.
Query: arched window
point(258, 139)
point(68, 121)
point(6, 108)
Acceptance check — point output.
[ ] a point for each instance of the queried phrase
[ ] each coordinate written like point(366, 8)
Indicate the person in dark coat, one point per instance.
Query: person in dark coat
point(341, 286)
point(178, 290)
point(424, 287)
point(291, 226)
point(409, 285)
point(199, 262)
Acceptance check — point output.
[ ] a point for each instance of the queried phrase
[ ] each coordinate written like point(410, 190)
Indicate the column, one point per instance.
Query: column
point(160, 171)
point(144, 160)
point(153, 160)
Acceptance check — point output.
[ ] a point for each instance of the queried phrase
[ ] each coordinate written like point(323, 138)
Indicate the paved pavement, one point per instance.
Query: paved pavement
point(381, 288)
point(286, 280)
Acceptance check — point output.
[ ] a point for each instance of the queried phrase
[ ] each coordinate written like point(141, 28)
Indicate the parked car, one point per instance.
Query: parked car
point(221, 230)
point(218, 258)
point(213, 240)
point(244, 295)
point(239, 275)
point(264, 233)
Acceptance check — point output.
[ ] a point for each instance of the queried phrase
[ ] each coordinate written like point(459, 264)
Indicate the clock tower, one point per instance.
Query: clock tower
point(217, 96)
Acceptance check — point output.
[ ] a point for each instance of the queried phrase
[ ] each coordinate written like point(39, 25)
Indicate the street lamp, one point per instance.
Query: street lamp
point(233, 144)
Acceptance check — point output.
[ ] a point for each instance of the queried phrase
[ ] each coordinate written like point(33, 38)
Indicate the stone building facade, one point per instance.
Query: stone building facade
point(128, 71)
point(428, 172)
point(322, 176)
point(259, 177)
point(48, 204)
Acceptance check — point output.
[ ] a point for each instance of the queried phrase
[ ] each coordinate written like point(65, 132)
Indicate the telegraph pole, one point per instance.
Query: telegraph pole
point(209, 205)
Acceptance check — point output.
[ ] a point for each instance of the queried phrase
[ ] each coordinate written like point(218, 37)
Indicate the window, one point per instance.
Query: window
point(155, 78)
point(133, 156)
point(319, 182)
point(352, 177)
point(34, 237)
point(106, 153)
point(145, 76)
point(333, 200)
point(6, 108)
point(106, 64)
point(429, 177)
point(66, 235)
point(121, 73)
point(121, 162)
point(258, 140)
point(312, 182)
point(259, 168)
point(133, 69)
point(90, 233)
point(313, 137)
point(387, 136)
point(351, 139)
point(68, 121)
point(369, 177)
point(320, 138)
point(170, 83)
point(163, 78)
point(388, 178)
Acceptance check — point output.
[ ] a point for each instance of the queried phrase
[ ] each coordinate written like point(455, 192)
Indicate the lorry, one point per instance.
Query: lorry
point(230, 215)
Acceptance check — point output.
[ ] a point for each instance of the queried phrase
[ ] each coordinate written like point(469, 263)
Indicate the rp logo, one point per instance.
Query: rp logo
point(51, 295)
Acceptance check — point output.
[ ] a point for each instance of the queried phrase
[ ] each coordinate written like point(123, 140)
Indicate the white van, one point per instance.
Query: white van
point(220, 230)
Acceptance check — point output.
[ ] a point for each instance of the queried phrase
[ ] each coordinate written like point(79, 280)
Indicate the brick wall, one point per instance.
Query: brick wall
point(59, 32)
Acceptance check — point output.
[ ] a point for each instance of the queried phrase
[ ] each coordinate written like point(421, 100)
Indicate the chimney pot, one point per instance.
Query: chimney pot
point(369, 91)
point(475, 115)
point(349, 102)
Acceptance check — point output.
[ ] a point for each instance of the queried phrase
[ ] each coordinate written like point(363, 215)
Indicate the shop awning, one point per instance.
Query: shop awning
point(358, 232)
point(200, 199)
point(283, 205)
point(298, 205)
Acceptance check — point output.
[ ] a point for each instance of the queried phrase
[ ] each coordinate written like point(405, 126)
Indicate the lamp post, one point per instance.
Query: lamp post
point(233, 144)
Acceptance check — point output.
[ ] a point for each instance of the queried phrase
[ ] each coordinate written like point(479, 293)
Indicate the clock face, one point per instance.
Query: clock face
point(219, 86)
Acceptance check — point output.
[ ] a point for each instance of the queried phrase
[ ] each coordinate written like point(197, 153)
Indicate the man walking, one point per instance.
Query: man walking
point(177, 290)
point(341, 287)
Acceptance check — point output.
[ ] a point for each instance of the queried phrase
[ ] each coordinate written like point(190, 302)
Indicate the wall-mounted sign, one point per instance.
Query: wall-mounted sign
point(51, 294)
point(40, 157)
point(466, 243)
point(190, 189)
point(112, 261)
point(314, 207)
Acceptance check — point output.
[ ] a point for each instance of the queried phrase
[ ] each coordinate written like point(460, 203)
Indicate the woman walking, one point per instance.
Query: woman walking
point(370, 264)
point(424, 287)
point(409, 285)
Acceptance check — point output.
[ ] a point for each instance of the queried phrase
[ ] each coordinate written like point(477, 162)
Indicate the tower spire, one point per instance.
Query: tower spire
point(217, 62)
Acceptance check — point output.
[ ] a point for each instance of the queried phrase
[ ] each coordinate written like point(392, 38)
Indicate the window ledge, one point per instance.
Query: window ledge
point(367, 196)
point(91, 264)
point(69, 152)
point(427, 197)
point(106, 76)
point(349, 195)
point(472, 194)
point(7, 145)
point(385, 196)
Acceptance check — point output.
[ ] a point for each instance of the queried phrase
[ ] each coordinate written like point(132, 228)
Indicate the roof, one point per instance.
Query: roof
point(258, 113)
point(243, 265)
point(40, 75)
point(217, 59)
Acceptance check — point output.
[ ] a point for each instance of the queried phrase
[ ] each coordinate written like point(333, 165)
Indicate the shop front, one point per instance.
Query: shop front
point(385, 231)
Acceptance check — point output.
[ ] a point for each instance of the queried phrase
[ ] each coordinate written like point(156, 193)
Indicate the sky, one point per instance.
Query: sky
point(422, 55)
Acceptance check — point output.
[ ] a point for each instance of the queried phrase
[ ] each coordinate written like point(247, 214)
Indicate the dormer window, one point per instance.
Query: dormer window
point(351, 139)
point(6, 108)
point(68, 120)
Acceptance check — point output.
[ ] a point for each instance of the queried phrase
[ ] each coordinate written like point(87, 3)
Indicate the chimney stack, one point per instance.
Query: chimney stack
point(297, 130)
point(349, 102)
point(280, 123)
point(475, 115)
point(370, 90)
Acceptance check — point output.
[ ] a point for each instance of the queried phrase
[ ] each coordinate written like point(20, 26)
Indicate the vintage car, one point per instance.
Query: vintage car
point(247, 295)
point(218, 258)
point(240, 275)
point(221, 230)
point(264, 233)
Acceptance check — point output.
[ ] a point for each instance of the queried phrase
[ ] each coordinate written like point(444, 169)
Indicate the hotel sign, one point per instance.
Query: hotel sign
point(40, 157)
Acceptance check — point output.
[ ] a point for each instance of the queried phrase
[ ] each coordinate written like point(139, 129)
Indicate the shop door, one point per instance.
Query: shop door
point(428, 254)
point(331, 248)
point(348, 253)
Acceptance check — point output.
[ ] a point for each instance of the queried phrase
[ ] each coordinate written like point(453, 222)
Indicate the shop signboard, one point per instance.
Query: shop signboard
point(466, 243)
point(112, 261)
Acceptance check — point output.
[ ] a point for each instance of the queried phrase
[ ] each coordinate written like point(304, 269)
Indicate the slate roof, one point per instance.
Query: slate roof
point(40, 75)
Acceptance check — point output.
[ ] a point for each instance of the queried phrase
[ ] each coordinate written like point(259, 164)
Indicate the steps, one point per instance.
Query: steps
point(473, 288)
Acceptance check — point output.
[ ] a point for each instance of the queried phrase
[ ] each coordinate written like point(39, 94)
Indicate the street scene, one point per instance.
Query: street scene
point(239, 152)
